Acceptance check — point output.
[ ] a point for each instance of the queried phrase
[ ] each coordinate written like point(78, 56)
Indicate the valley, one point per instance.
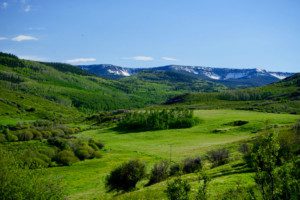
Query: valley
point(64, 122)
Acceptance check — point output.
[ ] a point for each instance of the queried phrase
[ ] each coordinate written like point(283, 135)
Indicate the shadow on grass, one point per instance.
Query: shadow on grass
point(237, 169)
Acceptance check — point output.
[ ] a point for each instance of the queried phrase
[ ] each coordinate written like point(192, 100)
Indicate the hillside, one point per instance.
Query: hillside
point(283, 96)
point(66, 88)
point(59, 85)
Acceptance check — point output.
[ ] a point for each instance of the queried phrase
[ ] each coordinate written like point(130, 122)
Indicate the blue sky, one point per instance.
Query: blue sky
point(145, 33)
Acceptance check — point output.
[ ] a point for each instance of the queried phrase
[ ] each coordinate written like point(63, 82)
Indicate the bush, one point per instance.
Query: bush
point(58, 142)
point(244, 148)
point(37, 135)
point(96, 145)
point(34, 159)
point(66, 157)
point(85, 152)
point(126, 176)
point(18, 183)
point(97, 154)
point(25, 135)
point(202, 190)
point(218, 157)
point(178, 189)
point(175, 169)
point(297, 127)
point(159, 172)
point(2, 138)
point(191, 165)
point(11, 137)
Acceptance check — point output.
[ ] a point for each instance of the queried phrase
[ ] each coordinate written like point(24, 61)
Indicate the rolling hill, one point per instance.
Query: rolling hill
point(62, 88)
point(282, 96)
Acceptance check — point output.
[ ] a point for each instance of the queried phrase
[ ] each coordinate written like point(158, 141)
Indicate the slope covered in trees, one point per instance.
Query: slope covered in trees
point(283, 96)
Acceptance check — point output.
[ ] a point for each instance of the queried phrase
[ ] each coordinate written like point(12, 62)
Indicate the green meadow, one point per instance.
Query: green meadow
point(85, 180)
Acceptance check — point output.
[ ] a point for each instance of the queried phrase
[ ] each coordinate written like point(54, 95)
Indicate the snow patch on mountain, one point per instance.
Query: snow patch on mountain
point(120, 72)
point(185, 68)
point(278, 75)
point(212, 75)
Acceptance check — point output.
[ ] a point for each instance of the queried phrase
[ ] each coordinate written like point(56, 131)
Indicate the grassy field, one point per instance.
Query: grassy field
point(85, 180)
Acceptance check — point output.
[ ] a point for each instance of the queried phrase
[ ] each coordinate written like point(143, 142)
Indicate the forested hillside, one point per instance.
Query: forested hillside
point(283, 96)
point(66, 88)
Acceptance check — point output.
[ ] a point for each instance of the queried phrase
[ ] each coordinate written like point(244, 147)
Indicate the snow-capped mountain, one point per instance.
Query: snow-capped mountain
point(227, 76)
point(109, 71)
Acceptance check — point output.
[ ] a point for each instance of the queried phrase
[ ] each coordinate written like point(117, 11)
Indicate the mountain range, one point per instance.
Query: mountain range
point(230, 77)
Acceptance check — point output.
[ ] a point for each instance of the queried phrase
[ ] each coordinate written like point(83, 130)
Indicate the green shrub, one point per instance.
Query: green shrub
point(218, 157)
point(19, 183)
point(159, 172)
point(25, 135)
point(244, 148)
point(178, 189)
point(297, 127)
point(175, 169)
point(2, 138)
point(58, 142)
point(66, 157)
point(191, 165)
point(97, 154)
point(84, 152)
point(96, 145)
point(37, 135)
point(126, 176)
point(202, 190)
point(11, 137)
point(46, 134)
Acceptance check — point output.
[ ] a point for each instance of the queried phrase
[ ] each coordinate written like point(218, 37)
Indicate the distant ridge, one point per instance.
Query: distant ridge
point(228, 76)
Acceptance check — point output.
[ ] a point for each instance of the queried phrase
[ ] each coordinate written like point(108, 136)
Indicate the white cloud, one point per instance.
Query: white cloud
point(3, 38)
point(169, 58)
point(80, 60)
point(36, 28)
point(139, 58)
point(21, 38)
point(4, 5)
point(27, 8)
point(31, 57)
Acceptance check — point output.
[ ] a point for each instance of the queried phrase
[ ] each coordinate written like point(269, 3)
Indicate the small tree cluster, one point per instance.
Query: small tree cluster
point(157, 120)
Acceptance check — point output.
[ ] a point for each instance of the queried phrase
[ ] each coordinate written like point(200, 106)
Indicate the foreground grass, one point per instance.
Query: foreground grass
point(85, 180)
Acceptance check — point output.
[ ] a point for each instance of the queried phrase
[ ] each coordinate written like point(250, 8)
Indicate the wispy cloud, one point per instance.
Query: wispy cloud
point(3, 38)
point(80, 60)
point(36, 28)
point(27, 8)
point(31, 57)
point(4, 5)
point(169, 58)
point(21, 38)
point(139, 58)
